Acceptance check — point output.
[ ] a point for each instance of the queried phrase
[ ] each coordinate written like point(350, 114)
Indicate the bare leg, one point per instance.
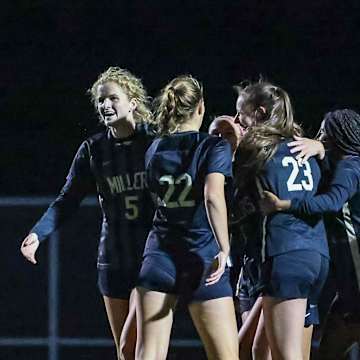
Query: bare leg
point(261, 348)
point(216, 324)
point(128, 334)
point(248, 329)
point(284, 323)
point(117, 311)
point(307, 335)
point(154, 312)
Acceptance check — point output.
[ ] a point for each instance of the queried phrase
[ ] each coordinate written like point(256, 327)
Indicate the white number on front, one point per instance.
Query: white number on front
point(132, 210)
point(172, 183)
point(306, 185)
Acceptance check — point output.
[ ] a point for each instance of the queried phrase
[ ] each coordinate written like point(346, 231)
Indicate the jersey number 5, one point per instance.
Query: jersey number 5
point(307, 184)
point(131, 205)
point(183, 180)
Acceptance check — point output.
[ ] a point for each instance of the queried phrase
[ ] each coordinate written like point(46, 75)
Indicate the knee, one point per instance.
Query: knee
point(126, 350)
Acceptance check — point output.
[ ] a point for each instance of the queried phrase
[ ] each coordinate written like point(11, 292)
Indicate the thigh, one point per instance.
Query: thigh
point(154, 312)
point(117, 312)
point(216, 323)
point(248, 329)
point(128, 334)
point(306, 345)
point(284, 324)
point(261, 348)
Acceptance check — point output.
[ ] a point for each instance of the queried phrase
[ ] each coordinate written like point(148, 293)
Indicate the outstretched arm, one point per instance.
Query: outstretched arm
point(78, 183)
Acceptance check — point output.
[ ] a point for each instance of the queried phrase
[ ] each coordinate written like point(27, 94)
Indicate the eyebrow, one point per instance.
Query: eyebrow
point(102, 97)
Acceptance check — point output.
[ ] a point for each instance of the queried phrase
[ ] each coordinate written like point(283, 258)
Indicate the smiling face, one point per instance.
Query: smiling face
point(113, 104)
point(245, 116)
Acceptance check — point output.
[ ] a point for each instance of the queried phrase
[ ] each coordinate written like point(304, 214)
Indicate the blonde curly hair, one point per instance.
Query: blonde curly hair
point(133, 88)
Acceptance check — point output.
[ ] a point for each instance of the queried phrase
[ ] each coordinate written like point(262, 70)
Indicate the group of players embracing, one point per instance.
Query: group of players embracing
point(183, 210)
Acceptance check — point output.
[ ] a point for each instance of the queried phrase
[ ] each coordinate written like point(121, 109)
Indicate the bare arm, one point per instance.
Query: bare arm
point(217, 214)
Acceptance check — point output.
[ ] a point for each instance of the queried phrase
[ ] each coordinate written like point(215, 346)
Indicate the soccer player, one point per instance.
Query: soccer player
point(294, 250)
point(111, 163)
point(340, 134)
point(186, 250)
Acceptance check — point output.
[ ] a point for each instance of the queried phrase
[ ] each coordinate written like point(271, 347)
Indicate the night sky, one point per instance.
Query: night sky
point(52, 51)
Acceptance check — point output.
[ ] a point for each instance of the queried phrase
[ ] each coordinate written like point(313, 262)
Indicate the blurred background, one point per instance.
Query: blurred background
point(50, 54)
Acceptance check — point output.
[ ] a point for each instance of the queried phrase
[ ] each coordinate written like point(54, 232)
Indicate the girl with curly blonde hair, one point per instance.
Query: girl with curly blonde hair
point(111, 163)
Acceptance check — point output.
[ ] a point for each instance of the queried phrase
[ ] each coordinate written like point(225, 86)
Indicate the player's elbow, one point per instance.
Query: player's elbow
point(213, 198)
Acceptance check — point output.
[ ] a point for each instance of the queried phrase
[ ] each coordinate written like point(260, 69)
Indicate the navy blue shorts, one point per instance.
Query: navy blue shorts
point(183, 276)
point(295, 275)
point(116, 283)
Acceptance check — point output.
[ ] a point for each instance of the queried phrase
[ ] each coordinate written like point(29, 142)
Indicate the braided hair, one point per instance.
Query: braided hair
point(342, 127)
point(176, 103)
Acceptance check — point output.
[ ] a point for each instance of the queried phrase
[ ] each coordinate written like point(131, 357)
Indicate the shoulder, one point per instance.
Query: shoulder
point(96, 138)
point(213, 141)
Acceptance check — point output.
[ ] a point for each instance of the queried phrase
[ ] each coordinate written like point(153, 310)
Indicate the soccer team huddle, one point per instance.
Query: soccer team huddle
point(250, 217)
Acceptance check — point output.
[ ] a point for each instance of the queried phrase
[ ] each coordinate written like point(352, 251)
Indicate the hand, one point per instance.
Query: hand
point(218, 265)
point(29, 247)
point(270, 203)
point(306, 148)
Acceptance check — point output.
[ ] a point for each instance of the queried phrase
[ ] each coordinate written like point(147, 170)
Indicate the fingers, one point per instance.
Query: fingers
point(214, 277)
point(28, 248)
point(299, 147)
point(295, 143)
point(29, 254)
point(268, 194)
point(298, 138)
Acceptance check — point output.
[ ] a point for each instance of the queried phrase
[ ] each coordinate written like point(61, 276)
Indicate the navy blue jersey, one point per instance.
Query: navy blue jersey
point(343, 199)
point(176, 168)
point(286, 178)
point(114, 168)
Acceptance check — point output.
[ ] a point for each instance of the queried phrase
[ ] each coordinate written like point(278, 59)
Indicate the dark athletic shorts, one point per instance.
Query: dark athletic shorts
point(183, 276)
point(116, 283)
point(297, 274)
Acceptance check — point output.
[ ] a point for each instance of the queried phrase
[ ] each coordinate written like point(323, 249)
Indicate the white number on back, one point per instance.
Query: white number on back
point(172, 184)
point(307, 184)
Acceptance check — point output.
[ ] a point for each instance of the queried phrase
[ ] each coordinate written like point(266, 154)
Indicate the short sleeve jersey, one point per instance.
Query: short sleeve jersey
point(176, 167)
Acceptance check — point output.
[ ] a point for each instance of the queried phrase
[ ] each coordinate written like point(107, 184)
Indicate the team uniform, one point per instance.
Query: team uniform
point(295, 248)
point(246, 235)
point(343, 228)
point(180, 249)
point(114, 168)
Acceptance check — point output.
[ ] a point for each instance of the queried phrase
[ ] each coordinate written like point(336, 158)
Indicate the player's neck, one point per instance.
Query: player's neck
point(188, 127)
point(123, 130)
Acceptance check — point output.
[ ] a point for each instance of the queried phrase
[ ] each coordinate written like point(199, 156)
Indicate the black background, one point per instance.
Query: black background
point(52, 51)
point(50, 54)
